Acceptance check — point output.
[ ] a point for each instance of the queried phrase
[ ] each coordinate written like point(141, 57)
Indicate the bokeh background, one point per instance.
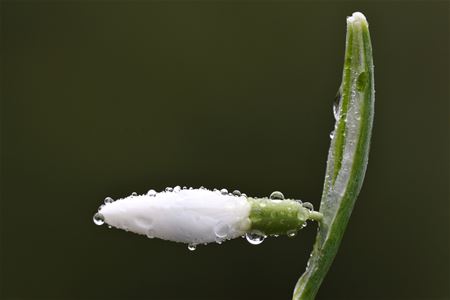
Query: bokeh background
point(106, 98)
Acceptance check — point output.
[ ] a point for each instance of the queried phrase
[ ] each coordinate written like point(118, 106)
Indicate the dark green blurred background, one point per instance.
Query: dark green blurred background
point(106, 98)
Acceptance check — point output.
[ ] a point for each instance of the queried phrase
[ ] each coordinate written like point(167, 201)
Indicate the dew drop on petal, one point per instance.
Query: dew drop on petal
point(237, 193)
point(202, 188)
point(244, 195)
point(150, 234)
point(254, 237)
point(224, 191)
point(151, 193)
point(177, 189)
point(133, 194)
point(99, 219)
point(169, 189)
point(277, 196)
point(221, 230)
point(108, 200)
point(192, 247)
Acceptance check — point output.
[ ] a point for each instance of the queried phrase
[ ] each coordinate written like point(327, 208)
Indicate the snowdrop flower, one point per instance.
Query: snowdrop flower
point(201, 216)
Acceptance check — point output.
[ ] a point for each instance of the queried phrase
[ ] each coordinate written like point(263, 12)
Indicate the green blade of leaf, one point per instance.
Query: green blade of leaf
point(347, 157)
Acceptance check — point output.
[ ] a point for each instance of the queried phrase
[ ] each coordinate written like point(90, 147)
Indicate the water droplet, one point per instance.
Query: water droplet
point(299, 202)
point(133, 194)
point(191, 188)
point(308, 205)
point(277, 196)
point(224, 191)
point(336, 102)
point(332, 134)
point(237, 193)
point(99, 219)
point(109, 226)
point(150, 233)
point(244, 195)
point(151, 193)
point(169, 189)
point(184, 187)
point(108, 200)
point(100, 207)
point(255, 237)
point(192, 247)
point(202, 188)
point(362, 81)
point(177, 189)
point(291, 233)
point(215, 190)
point(221, 230)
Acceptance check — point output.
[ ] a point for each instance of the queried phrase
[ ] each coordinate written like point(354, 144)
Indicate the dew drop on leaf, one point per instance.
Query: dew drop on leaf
point(336, 103)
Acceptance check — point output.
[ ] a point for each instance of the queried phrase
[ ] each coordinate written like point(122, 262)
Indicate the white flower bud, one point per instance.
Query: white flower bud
point(191, 216)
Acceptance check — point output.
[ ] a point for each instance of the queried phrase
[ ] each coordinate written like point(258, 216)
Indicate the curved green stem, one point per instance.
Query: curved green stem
point(316, 216)
point(347, 157)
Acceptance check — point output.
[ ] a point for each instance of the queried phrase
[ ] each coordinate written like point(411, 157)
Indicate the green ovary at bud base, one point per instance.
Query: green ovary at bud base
point(277, 217)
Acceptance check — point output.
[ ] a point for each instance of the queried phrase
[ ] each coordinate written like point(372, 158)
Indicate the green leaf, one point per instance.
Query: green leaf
point(347, 157)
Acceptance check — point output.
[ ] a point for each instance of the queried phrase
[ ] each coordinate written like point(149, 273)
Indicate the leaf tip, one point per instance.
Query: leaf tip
point(357, 18)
